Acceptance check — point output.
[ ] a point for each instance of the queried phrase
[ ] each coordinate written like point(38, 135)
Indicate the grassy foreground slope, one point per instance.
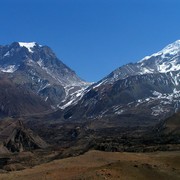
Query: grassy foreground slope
point(105, 165)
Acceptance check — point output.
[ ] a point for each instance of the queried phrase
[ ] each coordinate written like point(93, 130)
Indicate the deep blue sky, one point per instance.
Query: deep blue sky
point(93, 37)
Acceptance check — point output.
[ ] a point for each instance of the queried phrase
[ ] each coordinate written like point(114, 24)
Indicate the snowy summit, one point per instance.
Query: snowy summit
point(171, 49)
point(28, 45)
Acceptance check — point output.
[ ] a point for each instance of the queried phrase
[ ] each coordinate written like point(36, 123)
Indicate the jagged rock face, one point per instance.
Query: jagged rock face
point(148, 89)
point(37, 69)
point(16, 138)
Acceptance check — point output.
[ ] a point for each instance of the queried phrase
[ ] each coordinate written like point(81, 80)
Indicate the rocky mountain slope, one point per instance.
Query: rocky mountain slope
point(37, 69)
point(14, 137)
point(123, 111)
point(139, 93)
point(15, 100)
point(166, 60)
point(171, 126)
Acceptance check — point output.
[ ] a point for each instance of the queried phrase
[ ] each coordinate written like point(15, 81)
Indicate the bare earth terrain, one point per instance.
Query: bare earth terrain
point(105, 165)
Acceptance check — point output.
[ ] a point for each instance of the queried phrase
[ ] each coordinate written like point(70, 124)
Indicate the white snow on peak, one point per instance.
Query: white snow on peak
point(169, 66)
point(171, 49)
point(28, 45)
point(167, 60)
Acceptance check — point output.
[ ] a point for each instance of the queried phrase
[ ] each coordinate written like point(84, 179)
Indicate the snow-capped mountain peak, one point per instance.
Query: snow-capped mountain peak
point(170, 50)
point(38, 68)
point(150, 88)
point(164, 61)
point(28, 45)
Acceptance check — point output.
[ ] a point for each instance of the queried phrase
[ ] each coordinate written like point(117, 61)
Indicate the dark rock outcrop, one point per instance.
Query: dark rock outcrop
point(14, 137)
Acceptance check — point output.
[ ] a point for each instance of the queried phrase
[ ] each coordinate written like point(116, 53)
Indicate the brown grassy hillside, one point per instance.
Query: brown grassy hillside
point(105, 165)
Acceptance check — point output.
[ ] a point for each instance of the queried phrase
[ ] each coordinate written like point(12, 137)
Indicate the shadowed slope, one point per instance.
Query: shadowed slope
point(15, 100)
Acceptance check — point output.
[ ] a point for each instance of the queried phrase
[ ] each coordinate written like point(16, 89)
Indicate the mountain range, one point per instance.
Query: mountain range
point(116, 113)
point(36, 69)
point(148, 90)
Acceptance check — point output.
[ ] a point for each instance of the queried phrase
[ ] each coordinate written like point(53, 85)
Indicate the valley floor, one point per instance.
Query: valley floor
point(105, 165)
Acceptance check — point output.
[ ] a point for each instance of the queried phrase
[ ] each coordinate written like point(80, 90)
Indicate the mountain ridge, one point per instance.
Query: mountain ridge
point(37, 68)
point(134, 89)
point(125, 111)
point(147, 65)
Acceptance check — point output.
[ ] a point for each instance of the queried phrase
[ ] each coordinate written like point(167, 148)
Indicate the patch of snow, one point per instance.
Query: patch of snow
point(146, 71)
point(148, 57)
point(168, 66)
point(171, 49)
point(9, 69)
point(99, 84)
point(79, 93)
point(119, 112)
point(53, 75)
point(7, 54)
point(67, 104)
point(165, 102)
point(175, 91)
point(40, 62)
point(42, 88)
point(116, 108)
point(28, 45)
point(175, 78)
point(158, 94)
point(157, 110)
